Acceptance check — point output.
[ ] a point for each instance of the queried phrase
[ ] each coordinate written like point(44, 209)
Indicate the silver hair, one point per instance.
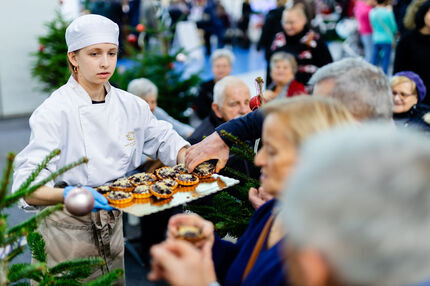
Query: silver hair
point(220, 86)
point(361, 87)
point(283, 56)
point(222, 53)
point(142, 87)
point(361, 198)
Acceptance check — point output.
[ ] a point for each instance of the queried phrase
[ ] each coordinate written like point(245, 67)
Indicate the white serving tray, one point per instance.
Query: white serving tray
point(215, 184)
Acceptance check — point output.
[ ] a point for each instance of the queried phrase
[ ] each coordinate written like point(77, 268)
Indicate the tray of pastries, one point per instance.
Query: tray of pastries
point(144, 193)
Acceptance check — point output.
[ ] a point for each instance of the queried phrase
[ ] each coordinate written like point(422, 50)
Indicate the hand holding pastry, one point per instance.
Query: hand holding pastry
point(198, 230)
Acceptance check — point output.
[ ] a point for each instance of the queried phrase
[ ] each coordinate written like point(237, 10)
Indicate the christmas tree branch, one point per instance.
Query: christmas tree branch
point(37, 246)
point(75, 264)
point(6, 175)
point(241, 176)
point(239, 143)
point(25, 270)
point(22, 192)
point(107, 279)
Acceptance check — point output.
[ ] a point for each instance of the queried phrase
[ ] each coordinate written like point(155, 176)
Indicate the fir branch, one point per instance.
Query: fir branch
point(37, 246)
point(39, 169)
point(76, 264)
point(6, 175)
point(29, 225)
point(15, 252)
point(242, 153)
point(106, 279)
point(9, 200)
point(242, 177)
point(236, 141)
point(25, 270)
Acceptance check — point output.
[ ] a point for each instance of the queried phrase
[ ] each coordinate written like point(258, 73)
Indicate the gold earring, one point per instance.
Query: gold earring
point(75, 69)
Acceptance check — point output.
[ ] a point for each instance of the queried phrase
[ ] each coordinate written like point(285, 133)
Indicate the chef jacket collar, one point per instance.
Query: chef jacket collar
point(84, 94)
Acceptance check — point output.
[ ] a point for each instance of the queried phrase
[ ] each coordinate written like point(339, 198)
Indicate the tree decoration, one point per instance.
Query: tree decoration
point(140, 28)
point(12, 239)
point(79, 201)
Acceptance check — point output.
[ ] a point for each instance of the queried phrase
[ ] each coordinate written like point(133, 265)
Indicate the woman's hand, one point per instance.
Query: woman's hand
point(206, 227)
point(258, 197)
point(181, 264)
point(269, 95)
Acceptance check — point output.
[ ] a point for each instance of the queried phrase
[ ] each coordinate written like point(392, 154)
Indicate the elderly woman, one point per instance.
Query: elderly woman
point(298, 39)
point(222, 62)
point(148, 91)
point(255, 258)
point(409, 92)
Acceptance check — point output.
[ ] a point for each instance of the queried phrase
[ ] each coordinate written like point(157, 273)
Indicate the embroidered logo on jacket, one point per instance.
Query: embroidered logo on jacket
point(131, 138)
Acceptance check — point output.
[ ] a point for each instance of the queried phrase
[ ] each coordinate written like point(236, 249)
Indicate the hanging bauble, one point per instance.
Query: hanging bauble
point(79, 201)
point(41, 48)
point(140, 28)
point(131, 38)
point(181, 57)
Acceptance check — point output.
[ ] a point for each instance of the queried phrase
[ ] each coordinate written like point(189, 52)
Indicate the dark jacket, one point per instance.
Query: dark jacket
point(414, 118)
point(412, 54)
point(203, 101)
point(308, 48)
point(206, 128)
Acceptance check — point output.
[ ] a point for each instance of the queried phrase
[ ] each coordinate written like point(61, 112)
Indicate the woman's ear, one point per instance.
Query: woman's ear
point(72, 58)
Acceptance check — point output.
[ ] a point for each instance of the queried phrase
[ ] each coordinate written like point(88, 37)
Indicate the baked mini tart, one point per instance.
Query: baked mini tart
point(180, 169)
point(170, 183)
point(104, 189)
point(141, 192)
point(159, 201)
point(119, 197)
point(187, 179)
point(184, 189)
point(204, 170)
point(165, 173)
point(161, 190)
point(190, 233)
point(142, 179)
point(122, 184)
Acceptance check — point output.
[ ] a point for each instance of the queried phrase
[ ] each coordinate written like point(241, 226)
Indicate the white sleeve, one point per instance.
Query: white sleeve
point(161, 141)
point(45, 137)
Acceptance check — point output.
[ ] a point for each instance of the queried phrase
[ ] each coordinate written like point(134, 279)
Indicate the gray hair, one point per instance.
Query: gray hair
point(283, 56)
point(142, 87)
point(361, 198)
point(222, 53)
point(360, 86)
point(220, 86)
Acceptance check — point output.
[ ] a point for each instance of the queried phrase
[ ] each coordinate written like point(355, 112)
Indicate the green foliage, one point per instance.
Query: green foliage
point(50, 65)
point(65, 273)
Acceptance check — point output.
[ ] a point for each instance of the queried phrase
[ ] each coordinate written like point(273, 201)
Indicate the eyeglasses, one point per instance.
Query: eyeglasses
point(402, 94)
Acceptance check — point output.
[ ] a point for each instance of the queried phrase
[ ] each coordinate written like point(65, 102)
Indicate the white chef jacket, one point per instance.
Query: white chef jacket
point(112, 135)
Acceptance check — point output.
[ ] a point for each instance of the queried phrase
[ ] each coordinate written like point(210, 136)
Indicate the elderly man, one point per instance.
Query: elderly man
point(358, 213)
point(360, 86)
point(231, 100)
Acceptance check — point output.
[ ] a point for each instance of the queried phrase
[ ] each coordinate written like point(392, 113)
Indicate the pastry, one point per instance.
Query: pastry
point(142, 179)
point(204, 170)
point(190, 233)
point(170, 183)
point(119, 197)
point(141, 192)
point(161, 190)
point(187, 179)
point(165, 173)
point(159, 202)
point(180, 169)
point(184, 189)
point(104, 189)
point(122, 184)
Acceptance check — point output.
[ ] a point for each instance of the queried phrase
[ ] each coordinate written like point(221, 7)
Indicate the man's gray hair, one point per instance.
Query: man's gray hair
point(361, 87)
point(222, 53)
point(361, 197)
point(283, 56)
point(142, 87)
point(220, 86)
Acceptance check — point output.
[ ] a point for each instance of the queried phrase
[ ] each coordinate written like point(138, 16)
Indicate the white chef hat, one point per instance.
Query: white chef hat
point(89, 30)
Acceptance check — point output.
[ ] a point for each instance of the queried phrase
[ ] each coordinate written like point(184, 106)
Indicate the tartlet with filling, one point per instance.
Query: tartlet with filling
point(161, 190)
point(119, 197)
point(122, 184)
point(187, 179)
point(190, 233)
point(165, 173)
point(204, 170)
point(180, 169)
point(142, 192)
point(142, 179)
point(104, 189)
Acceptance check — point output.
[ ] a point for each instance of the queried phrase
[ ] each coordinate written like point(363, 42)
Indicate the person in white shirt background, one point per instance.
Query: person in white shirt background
point(112, 128)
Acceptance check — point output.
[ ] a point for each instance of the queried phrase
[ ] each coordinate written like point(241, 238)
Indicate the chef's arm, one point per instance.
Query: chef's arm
point(180, 159)
point(44, 196)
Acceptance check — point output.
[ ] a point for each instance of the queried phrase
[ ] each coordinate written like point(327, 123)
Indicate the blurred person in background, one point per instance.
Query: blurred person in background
point(148, 91)
point(408, 93)
point(222, 63)
point(412, 50)
point(384, 29)
point(361, 12)
point(296, 38)
point(356, 209)
point(255, 258)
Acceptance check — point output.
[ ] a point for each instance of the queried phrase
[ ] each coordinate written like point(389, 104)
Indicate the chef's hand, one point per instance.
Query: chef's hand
point(206, 226)
point(100, 202)
point(212, 147)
